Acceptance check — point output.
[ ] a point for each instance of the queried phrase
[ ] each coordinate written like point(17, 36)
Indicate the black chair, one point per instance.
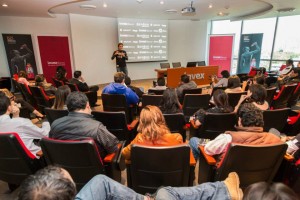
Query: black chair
point(193, 102)
point(294, 97)
point(16, 161)
point(233, 98)
point(201, 63)
point(92, 96)
point(270, 95)
point(53, 114)
point(162, 166)
point(164, 65)
point(18, 88)
point(151, 100)
point(42, 99)
point(189, 91)
point(252, 163)
point(117, 124)
point(217, 88)
point(176, 123)
point(28, 94)
point(57, 82)
point(275, 119)
point(215, 124)
point(281, 99)
point(117, 102)
point(81, 159)
point(156, 92)
point(191, 64)
point(176, 64)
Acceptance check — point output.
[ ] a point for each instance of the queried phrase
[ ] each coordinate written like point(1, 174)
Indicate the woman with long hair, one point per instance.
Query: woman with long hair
point(234, 85)
point(60, 97)
point(170, 103)
point(61, 74)
point(153, 131)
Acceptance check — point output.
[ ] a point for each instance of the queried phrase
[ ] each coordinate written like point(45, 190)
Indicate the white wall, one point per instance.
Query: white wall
point(95, 38)
point(58, 26)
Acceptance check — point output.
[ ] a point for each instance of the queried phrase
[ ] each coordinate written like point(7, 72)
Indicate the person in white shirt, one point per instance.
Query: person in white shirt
point(223, 82)
point(22, 126)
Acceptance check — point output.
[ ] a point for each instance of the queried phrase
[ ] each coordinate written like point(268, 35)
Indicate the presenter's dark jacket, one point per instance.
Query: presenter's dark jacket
point(120, 61)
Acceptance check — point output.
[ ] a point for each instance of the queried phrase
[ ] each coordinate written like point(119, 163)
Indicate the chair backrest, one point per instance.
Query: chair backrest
point(281, 100)
point(40, 96)
point(252, 163)
point(190, 91)
point(176, 64)
point(164, 65)
point(156, 92)
point(57, 82)
point(73, 87)
point(28, 94)
point(270, 95)
point(201, 63)
point(18, 87)
point(193, 102)
point(275, 118)
point(176, 123)
point(162, 166)
point(294, 97)
point(80, 158)
point(217, 123)
point(191, 64)
point(16, 161)
point(217, 88)
point(116, 102)
point(115, 122)
point(233, 98)
point(53, 114)
point(154, 100)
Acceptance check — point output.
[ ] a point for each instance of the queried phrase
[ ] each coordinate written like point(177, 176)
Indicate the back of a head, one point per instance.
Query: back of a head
point(290, 62)
point(169, 103)
point(39, 79)
point(77, 74)
point(265, 191)
point(161, 81)
point(250, 115)
point(60, 72)
point(76, 101)
point(119, 77)
point(221, 100)
point(152, 123)
point(225, 74)
point(259, 79)
point(4, 103)
point(61, 95)
point(60, 69)
point(259, 93)
point(49, 183)
point(22, 74)
point(234, 82)
point(127, 80)
point(185, 78)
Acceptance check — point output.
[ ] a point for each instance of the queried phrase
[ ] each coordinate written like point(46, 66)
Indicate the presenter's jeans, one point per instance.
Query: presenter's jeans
point(122, 69)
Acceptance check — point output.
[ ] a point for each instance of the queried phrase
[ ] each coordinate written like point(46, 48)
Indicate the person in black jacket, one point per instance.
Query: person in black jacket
point(121, 57)
point(81, 84)
point(137, 90)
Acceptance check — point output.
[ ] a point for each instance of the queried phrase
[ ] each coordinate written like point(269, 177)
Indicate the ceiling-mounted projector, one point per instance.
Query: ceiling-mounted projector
point(188, 11)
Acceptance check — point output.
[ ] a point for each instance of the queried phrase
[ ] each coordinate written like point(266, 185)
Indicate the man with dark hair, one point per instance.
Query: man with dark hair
point(185, 84)
point(79, 124)
point(249, 132)
point(81, 84)
point(24, 127)
point(119, 87)
point(48, 183)
point(121, 57)
point(137, 90)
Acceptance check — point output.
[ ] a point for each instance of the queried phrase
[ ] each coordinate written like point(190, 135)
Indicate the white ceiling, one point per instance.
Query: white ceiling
point(150, 9)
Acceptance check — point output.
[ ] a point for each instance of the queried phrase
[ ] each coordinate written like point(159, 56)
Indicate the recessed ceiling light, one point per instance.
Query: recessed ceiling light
point(88, 7)
point(104, 5)
point(4, 5)
point(210, 6)
point(222, 14)
point(161, 2)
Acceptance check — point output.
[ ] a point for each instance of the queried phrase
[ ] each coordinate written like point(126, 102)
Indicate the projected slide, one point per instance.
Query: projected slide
point(144, 40)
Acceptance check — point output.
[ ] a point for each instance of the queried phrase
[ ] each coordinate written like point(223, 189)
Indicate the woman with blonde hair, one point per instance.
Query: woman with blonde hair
point(153, 131)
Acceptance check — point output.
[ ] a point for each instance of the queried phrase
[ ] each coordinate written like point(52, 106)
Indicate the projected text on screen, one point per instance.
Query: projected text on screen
point(144, 40)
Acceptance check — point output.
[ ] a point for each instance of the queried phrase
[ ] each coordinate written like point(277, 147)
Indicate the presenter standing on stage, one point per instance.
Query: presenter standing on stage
point(121, 57)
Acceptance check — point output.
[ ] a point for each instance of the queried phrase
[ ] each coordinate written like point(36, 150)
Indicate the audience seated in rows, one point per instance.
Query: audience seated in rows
point(234, 85)
point(22, 126)
point(185, 83)
point(137, 90)
point(256, 95)
point(119, 87)
point(249, 131)
point(61, 95)
point(170, 103)
point(221, 106)
point(54, 183)
point(259, 80)
point(79, 124)
point(153, 131)
point(61, 74)
point(48, 87)
point(160, 84)
point(23, 78)
point(223, 82)
point(81, 84)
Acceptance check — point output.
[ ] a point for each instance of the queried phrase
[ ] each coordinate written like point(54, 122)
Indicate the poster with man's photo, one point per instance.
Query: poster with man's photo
point(20, 55)
point(250, 51)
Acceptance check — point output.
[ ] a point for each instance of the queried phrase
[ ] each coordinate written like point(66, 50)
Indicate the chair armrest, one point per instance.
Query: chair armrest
point(209, 159)
point(39, 153)
point(288, 157)
point(109, 158)
point(133, 124)
point(192, 159)
point(192, 122)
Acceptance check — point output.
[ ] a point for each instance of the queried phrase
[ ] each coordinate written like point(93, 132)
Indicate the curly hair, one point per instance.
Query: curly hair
point(250, 115)
point(152, 123)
